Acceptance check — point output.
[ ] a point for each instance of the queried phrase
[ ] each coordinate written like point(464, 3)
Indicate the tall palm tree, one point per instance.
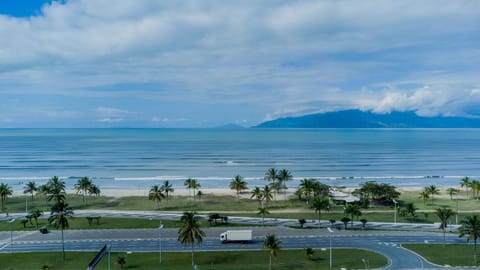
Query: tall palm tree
point(45, 191)
point(319, 204)
point(411, 210)
point(195, 185)
point(238, 185)
point(465, 182)
point(190, 231)
point(353, 210)
point(257, 194)
point(471, 227)
point(5, 191)
point(31, 188)
point(444, 214)
point(307, 186)
point(59, 216)
point(262, 211)
point(432, 190)
point(82, 186)
point(475, 185)
point(424, 196)
point(56, 189)
point(94, 190)
point(267, 194)
point(272, 244)
point(272, 176)
point(167, 188)
point(284, 176)
point(156, 194)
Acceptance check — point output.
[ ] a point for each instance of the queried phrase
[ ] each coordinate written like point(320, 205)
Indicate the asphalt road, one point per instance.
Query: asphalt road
point(385, 243)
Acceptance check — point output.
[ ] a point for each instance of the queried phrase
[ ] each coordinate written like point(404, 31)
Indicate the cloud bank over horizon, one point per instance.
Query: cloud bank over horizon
point(142, 63)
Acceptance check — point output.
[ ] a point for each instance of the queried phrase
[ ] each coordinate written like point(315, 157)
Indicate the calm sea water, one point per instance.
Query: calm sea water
point(139, 158)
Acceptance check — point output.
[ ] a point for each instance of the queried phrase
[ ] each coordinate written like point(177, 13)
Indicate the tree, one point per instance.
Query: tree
point(475, 188)
point(363, 221)
point(195, 185)
point(156, 194)
point(444, 214)
point(56, 189)
point(121, 261)
point(432, 190)
point(35, 214)
point(272, 244)
point(345, 221)
point(267, 194)
point(319, 204)
point(424, 196)
point(59, 216)
point(190, 231)
point(411, 210)
point(306, 188)
point(5, 191)
point(465, 182)
point(302, 222)
point(451, 192)
point(238, 184)
point(272, 176)
point(94, 190)
point(309, 252)
point(262, 211)
point(31, 188)
point(82, 186)
point(284, 176)
point(353, 210)
point(167, 188)
point(188, 184)
point(257, 194)
point(471, 227)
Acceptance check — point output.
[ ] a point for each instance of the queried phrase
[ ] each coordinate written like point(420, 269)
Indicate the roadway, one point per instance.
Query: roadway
point(387, 243)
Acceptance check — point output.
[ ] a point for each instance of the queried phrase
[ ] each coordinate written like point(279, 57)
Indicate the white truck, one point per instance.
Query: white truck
point(236, 236)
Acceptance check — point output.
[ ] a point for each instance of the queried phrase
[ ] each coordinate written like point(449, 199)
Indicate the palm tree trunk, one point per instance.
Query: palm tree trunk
point(475, 250)
point(193, 262)
point(270, 266)
point(63, 246)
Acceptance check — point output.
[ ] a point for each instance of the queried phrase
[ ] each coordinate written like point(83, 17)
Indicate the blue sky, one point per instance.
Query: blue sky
point(110, 63)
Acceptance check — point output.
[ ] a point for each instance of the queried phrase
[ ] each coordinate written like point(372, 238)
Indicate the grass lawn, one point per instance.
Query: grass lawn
point(81, 223)
point(286, 259)
point(453, 255)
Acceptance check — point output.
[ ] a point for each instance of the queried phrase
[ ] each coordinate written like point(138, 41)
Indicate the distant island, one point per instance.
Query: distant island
point(367, 119)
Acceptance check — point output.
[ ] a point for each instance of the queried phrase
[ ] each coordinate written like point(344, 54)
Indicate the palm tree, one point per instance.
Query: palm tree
point(45, 191)
point(262, 211)
point(190, 231)
point(238, 184)
point(424, 196)
point(59, 216)
point(471, 227)
point(432, 190)
point(272, 244)
point(5, 191)
point(444, 214)
point(451, 192)
point(306, 187)
point(272, 176)
point(121, 261)
point(94, 190)
point(167, 188)
point(195, 185)
point(56, 189)
point(267, 194)
point(465, 182)
point(257, 194)
point(188, 184)
point(156, 194)
point(284, 176)
point(82, 186)
point(309, 252)
point(363, 221)
point(353, 210)
point(35, 214)
point(345, 221)
point(31, 188)
point(475, 188)
point(319, 204)
point(411, 210)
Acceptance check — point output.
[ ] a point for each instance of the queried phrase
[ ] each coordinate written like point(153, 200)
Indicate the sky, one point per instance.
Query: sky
point(143, 63)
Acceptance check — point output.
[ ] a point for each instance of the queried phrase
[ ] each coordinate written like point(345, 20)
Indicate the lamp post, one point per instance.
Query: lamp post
point(456, 212)
point(160, 240)
point(11, 234)
point(395, 213)
point(331, 232)
point(26, 204)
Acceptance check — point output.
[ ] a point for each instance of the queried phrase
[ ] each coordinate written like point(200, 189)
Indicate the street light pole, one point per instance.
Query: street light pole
point(331, 232)
point(26, 204)
point(456, 212)
point(11, 234)
point(160, 240)
point(395, 212)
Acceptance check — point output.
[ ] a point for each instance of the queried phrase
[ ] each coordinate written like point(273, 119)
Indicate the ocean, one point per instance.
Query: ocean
point(140, 158)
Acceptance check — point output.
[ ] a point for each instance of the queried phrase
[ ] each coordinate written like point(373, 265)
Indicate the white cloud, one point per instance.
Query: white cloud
point(110, 120)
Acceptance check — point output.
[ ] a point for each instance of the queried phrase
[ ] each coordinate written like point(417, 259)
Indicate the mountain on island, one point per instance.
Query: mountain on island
point(367, 119)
